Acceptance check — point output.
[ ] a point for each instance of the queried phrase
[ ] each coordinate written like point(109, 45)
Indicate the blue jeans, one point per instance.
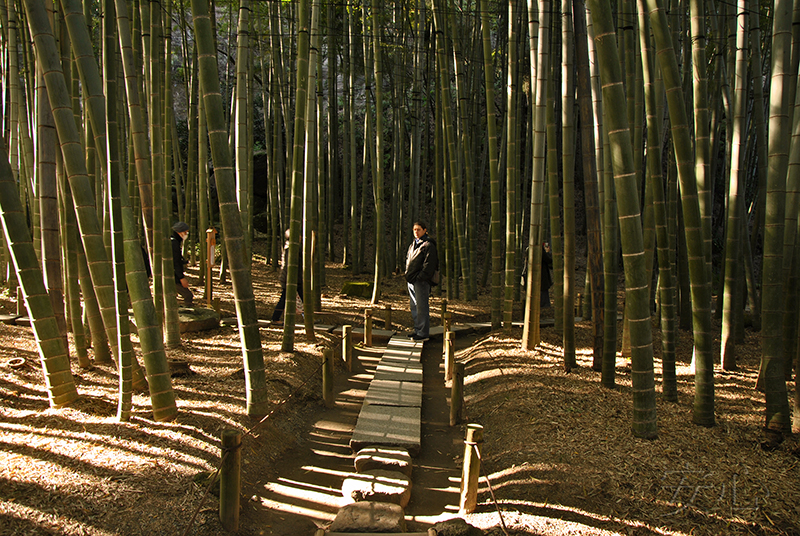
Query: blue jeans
point(419, 292)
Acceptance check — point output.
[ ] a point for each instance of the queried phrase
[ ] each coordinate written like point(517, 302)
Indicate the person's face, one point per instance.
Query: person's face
point(183, 235)
point(418, 231)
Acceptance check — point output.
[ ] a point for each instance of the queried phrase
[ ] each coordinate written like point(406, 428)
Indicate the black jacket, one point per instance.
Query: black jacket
point(422, 261)
point(177, 257)
point(284, 260)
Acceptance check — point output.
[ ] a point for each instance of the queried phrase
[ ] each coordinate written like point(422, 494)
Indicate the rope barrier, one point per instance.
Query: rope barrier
point(491, 491)
point(215, 475)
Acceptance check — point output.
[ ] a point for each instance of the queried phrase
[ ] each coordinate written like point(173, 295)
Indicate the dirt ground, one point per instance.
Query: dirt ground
point(558, 450)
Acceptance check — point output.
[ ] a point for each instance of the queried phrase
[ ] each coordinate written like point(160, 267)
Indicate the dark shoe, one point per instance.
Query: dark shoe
point(412, 335)
point(420, 338)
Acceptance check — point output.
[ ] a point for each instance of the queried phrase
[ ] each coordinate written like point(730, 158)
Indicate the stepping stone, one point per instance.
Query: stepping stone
point(197, 319)
point(387, 426)
point(394, 393)
point(392, 459)
point(369, 516)
point(378, 485)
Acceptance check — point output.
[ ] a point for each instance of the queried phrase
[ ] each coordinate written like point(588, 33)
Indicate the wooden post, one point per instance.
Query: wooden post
point(447, 321)
point(387, 323)
point(579, 305)
point(327, 377)
point(457, 395)
point(347, 346)
point(449, 355)
point(367, 327)
point(444, 309)
point(211, 242)
point(471, 470)
point(230, 480)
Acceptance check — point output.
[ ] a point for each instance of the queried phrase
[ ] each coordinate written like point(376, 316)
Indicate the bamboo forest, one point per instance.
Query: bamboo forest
point(641, 156)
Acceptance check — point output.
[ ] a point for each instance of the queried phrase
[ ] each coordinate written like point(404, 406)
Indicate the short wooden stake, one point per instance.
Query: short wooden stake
point(347, 346)
point(327, 377)
point(447, 321)
point(449, 355)
point(457, 395)
point(230, 480)
point(367, 327)
point(387, 323)
point(471, 470)
point(444, 309)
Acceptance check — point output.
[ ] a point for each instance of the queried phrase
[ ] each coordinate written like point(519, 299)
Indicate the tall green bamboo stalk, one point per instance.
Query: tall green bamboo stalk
point(252, 353)
point(637, 295)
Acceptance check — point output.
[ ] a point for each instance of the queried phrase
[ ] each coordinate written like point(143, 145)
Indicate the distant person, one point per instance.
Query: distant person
point(545, 277)
point(281, 305)
point(422, 262)
point(179, 233)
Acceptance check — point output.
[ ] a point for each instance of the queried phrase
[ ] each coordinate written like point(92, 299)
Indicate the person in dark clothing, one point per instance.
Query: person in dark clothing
point(547, 279)
point(422, 262)
point(179, 233)
point(281, 305)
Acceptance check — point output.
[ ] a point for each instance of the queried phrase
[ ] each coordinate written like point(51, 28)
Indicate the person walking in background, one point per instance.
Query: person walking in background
point(179, 233)
point(281, 305)
point(422, 262)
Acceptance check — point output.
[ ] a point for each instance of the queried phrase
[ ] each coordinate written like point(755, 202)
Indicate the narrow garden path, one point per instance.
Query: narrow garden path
point(306, 492)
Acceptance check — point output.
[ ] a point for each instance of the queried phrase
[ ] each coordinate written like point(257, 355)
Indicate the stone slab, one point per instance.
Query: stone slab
point(394, 393)
point(402, 343)
point(387, 426)
point(392, 459)
point(378, 485)
point(369, 516)
point(411, 357)
point(193, 319)
point(399, 370)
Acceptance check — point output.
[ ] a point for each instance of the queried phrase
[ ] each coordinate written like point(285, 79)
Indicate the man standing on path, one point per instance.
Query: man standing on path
point(179, 233)
point(422, 262)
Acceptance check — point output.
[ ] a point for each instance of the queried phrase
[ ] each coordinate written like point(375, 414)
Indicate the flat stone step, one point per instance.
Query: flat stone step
point(394, 393)
point(378, 485)
point(399, 370)
point(369, 516)
point(387, 426)
point(392, 459)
